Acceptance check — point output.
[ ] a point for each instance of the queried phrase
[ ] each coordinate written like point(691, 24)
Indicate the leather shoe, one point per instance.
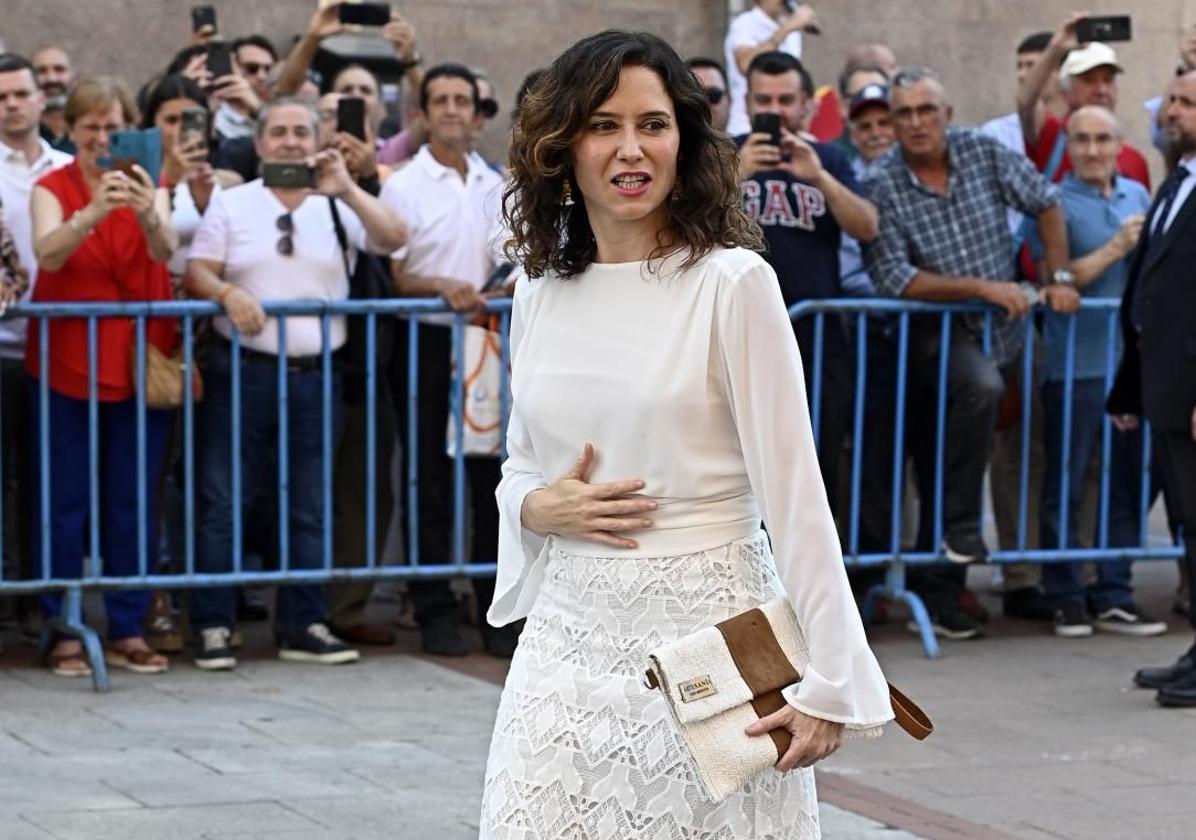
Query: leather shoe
point(366, 634)
point(251, 606)
point(500, 642)
point(1179, 694)
point(1158, 677)
point(442, 637)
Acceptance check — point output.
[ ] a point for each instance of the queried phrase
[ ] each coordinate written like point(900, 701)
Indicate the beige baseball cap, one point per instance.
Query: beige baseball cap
point(1091, 55)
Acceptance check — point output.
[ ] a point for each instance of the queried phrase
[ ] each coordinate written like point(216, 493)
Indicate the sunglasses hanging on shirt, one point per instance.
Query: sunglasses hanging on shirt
point(286, 243)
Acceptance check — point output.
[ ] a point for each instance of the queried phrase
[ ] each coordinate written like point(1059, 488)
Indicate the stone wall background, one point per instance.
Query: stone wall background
point(136, 38)
point(970, 42)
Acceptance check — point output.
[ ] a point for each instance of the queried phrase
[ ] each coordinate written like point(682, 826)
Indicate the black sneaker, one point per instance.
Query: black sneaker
point(214, 651)
point(1028, 604)
point(317, 644)
point(1130, 621)
point(1072, 622)
point(951, 623)
point(964, 548)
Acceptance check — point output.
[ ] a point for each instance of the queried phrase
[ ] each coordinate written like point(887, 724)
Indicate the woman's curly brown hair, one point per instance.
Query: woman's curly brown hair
point(548, 237)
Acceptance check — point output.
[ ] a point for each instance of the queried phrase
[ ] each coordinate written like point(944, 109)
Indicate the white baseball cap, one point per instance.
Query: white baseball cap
point(1091, 55)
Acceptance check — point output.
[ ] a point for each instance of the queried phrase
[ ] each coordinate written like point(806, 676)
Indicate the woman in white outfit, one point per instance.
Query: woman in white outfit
point(658, 413)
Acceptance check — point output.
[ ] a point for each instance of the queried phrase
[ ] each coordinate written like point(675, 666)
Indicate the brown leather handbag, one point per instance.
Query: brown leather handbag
point(163, 385)
point(721, 679)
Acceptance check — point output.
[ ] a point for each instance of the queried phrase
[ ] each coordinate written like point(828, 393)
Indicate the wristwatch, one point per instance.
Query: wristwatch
point(1063, 277)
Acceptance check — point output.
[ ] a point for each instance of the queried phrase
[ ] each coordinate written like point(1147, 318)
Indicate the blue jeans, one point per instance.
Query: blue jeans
point(298, 605)
point(1063, 582)
point(68, 447)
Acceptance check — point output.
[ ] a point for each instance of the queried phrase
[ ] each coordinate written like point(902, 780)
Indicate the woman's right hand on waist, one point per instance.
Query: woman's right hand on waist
point(572, 507)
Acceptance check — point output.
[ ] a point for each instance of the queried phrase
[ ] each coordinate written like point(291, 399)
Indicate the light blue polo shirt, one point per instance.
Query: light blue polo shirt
point(1092, 220)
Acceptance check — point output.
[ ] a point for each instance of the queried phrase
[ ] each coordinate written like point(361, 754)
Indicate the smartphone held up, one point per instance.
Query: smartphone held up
point(288, 176)
point(1105, 28)
point(364, 14)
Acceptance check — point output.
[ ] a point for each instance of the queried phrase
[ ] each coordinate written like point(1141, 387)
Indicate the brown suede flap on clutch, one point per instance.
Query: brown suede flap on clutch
point(766, 670)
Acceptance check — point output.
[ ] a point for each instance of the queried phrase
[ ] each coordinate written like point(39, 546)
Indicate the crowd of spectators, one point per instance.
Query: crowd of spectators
point(1031, 213)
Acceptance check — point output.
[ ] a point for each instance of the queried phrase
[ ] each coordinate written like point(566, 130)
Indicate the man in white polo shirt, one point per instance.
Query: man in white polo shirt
point(259, 243)
point(24, 157)
point(770, 25)
point(451, 201)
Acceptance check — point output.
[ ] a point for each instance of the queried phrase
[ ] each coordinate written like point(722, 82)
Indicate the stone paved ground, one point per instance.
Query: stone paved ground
point(1037, 738)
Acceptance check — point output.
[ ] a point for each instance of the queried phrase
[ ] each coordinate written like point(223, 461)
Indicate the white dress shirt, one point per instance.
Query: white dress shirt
point(749, 29)
point(690, 380)
point(17, 179)
point(452, 222)
point(1185, 190)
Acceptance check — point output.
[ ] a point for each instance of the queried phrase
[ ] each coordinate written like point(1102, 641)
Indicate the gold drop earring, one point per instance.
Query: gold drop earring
point(566, 193)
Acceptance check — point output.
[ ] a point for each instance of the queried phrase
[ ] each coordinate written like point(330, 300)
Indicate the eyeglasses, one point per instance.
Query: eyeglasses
point(253, 68)
point(488, 108)
point(923, 112)
point(715, 95)
point(286, 243)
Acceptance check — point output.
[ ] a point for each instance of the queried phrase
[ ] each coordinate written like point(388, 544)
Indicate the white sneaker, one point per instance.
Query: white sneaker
point(1129, 621)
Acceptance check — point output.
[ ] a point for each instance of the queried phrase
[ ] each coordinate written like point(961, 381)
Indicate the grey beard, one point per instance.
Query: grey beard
point(56, 103)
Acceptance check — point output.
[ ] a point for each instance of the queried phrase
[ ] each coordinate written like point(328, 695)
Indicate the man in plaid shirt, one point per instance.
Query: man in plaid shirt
point(942, 196)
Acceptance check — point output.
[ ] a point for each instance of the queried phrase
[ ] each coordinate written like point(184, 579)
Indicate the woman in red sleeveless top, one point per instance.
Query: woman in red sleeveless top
point(99, 236)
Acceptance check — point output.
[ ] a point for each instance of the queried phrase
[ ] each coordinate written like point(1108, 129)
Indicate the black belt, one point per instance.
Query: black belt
point(294, 364)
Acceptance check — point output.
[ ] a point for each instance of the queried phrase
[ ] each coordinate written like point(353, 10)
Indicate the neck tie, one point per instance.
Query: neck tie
point(1158, 234)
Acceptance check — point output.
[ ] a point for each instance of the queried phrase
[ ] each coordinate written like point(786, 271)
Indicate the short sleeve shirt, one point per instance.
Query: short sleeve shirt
point(802, 233)
point(1093, 218)
point(452, 222)
point(749, 29)
point(240, 230)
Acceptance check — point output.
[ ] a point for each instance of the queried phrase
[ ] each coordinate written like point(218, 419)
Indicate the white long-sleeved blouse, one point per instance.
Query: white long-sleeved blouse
point(691, 381)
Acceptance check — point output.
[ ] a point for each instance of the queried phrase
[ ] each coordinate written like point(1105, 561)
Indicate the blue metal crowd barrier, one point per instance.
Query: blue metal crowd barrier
point(856, 313)
point(896, 558)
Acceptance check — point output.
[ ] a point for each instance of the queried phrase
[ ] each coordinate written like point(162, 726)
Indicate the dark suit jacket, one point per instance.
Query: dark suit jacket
point(1157, 378)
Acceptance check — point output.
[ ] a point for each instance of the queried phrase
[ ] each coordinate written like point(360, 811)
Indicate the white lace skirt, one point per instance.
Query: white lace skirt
point(582, 750)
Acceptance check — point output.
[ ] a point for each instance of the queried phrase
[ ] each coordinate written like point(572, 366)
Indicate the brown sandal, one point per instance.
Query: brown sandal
point(137, 661)
point(58, 664)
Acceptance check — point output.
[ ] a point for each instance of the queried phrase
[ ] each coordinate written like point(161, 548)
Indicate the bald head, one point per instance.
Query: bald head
point(1093, 117)
point(875, 55)
point(1093, 144)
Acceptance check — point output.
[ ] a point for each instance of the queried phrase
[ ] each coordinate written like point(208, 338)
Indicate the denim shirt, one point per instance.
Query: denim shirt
point(1092, 220)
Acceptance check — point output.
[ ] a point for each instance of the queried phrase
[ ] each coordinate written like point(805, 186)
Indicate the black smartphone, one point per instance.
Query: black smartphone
point(288, 175)
point(202, 16)
point(220, 59)
point(769, 124)
point(1104, 28)
point(350, 116)
point(364, 14)
point(193, 123)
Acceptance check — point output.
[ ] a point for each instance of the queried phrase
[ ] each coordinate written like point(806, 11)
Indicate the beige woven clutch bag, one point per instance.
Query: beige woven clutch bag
point(721, 679)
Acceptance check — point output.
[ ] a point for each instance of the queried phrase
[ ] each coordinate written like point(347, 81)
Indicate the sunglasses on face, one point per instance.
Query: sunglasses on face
point(253, 68)
point(715, 95)
point(488, 108)
point(286, 243)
